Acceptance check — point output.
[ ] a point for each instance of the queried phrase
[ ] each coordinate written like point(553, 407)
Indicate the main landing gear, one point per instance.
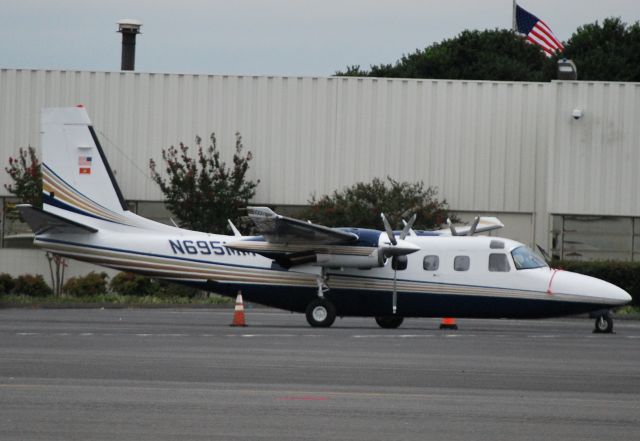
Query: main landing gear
point(321, 313)
point(389, 321)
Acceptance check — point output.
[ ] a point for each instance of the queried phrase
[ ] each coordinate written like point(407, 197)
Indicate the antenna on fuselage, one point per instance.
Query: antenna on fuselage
point(236, 232)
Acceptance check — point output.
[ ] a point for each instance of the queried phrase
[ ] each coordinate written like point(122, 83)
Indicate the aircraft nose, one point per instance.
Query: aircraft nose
point(579, 284)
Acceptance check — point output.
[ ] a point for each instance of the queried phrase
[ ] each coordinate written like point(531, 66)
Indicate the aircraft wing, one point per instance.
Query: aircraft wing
point(42, 222)
point(278, 229)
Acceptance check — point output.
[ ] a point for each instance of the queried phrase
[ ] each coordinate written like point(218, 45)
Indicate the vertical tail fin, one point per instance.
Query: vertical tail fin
point(76, 176)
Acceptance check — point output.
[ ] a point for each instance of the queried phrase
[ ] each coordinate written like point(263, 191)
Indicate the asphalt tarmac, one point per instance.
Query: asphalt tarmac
point(161, 374)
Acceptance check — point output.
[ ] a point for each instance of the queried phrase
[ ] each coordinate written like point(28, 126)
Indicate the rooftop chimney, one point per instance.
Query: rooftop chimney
point(129, 28)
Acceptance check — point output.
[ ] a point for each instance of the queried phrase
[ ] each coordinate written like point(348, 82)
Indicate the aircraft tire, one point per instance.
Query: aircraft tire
point(321, 313)
point(604, 324)
point(389, 321)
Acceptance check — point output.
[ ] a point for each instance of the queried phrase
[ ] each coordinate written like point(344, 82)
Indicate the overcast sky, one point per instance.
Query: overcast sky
point(262, 37)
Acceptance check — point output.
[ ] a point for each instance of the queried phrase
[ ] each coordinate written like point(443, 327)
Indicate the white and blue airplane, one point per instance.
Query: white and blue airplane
point(296, 265)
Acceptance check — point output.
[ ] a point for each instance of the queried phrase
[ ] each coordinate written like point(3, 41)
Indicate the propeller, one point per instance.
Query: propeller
point(474, 226)
point(399, 255)
point(408, 226)
point(452, 228)
point(389, 230)
point(470, 232)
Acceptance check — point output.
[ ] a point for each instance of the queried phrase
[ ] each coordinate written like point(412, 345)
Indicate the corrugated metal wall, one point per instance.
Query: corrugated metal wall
point(476, 141)
point(500, 147)
point(594, 161)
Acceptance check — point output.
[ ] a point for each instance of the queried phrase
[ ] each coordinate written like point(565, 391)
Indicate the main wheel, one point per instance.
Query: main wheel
point(604, 324)
point(389, 321)
point(321, 313)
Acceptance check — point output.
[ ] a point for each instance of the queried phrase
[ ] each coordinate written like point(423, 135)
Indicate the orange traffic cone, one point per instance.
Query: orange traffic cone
point(448, 323)
point(238, 315)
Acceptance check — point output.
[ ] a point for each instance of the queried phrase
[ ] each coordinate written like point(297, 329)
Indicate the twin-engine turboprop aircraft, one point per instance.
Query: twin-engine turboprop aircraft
point(296, 265)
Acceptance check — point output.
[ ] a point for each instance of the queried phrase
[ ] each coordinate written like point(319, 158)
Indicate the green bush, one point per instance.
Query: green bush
point(129, 284)
point(626, 275)
point(6, 283)
point(30, 285)
point(91, 284)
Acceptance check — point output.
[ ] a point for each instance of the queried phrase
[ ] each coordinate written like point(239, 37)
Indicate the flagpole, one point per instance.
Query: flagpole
point(514, 25)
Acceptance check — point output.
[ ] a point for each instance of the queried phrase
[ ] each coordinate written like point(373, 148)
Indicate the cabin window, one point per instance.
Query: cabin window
point(431, 263)
point(461, 263)
point(496, 245)
point(498, 262)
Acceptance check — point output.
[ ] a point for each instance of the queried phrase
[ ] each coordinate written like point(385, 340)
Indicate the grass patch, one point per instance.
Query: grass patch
point(628, 310)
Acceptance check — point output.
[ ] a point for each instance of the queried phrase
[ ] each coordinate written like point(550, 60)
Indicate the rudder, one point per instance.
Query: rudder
point(76, 175)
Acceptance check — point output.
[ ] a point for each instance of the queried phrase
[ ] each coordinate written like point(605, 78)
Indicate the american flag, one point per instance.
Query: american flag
point(537, 32)
point(84, 160)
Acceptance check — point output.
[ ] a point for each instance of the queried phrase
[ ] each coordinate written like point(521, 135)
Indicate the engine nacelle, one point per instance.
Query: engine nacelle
point(375, 259)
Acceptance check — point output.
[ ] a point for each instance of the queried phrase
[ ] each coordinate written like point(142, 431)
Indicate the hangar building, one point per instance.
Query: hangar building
point(557, 162)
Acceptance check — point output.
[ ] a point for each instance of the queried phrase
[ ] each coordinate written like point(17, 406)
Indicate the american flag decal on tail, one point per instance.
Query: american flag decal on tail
point(84, 163)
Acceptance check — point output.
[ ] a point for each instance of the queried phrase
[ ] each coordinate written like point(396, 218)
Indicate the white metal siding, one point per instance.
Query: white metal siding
point(481, 143)
point(476, 141)
point(594, 161)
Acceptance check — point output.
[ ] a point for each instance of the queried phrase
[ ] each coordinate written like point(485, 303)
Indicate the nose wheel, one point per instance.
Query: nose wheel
point(604, 324)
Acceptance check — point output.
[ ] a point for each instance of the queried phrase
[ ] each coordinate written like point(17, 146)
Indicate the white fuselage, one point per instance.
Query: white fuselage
point(463, 268)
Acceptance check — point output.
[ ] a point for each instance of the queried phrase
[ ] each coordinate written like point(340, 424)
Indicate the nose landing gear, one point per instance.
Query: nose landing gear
point(604, 324)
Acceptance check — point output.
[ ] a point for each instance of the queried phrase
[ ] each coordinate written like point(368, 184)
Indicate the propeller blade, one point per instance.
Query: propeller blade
point(394, 298)
point(452, 228)
point(388, 229)
point(474, 226)
point(407, 226)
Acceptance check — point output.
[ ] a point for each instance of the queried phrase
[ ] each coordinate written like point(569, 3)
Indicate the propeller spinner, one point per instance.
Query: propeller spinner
point(397, 246)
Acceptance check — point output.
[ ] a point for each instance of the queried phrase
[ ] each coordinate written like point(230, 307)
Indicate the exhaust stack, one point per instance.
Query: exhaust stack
point(129, 28)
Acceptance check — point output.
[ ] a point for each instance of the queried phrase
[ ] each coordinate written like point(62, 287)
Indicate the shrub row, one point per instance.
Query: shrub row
point(26, 284)
point(626, 275)
point(95, 284)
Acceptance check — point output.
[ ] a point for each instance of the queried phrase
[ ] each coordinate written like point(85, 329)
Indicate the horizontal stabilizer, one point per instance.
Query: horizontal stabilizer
point(42, 222)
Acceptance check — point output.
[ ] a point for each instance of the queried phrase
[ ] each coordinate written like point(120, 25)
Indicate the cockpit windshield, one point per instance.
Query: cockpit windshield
point(525, 258)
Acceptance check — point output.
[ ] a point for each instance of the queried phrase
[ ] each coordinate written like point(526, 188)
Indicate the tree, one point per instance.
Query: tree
point(26, 173)
point(361, 204)
point(203, 192)
point(602, 52)
point(497, 55)
point(606, 52)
